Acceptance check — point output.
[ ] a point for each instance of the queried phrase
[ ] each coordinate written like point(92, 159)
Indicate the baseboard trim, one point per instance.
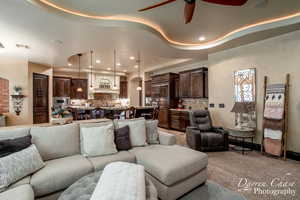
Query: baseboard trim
point(257, 147)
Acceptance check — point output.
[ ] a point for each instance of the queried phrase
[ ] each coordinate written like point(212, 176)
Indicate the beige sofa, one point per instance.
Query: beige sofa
point(173, 169)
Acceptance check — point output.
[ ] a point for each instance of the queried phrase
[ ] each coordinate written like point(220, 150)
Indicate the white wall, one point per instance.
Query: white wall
point(274, 58)
point(182, 67)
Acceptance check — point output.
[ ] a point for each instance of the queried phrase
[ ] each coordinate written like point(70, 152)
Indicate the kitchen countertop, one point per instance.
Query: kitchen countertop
point(180, 110)
point(49, 124)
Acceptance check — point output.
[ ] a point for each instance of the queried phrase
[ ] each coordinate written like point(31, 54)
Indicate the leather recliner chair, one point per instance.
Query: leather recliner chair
point(202, 136)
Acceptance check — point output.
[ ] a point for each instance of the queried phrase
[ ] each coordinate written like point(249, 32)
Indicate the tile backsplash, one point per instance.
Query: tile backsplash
point(195, 104)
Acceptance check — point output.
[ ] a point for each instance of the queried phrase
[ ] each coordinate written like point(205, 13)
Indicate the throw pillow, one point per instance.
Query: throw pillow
point(97, 141)
point(18, 165)
point(122, 138)
point(152, 132)
point(137, 131)
point(14, 145)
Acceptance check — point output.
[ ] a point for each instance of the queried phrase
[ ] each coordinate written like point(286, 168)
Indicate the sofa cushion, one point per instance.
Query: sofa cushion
point(170, 164)
point(19, 165)
point(23, 181)
point(14, 133)
point(97, 141)
point(122, 138)
point(137, 130)
point(152, 131)
point(56, 141)
point(23, 192)
point(10, 146)
point(100, 162)
point(59, 174)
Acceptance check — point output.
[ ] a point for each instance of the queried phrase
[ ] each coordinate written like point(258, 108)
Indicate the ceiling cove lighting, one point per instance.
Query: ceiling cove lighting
point(195, 46)
point(79, 89)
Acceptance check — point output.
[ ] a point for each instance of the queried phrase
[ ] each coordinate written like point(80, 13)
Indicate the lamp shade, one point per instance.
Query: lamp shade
point(243, 107)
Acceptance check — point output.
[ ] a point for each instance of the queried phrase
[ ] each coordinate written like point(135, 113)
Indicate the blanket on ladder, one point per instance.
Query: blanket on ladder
point(274, 102)
point(121, 181)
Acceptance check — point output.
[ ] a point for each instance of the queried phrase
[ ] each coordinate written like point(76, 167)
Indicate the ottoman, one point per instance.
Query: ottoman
point(174, 170)
point(84, 188)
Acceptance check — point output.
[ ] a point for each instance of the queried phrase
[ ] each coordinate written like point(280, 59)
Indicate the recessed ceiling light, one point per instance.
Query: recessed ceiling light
point(69, 64)
point(98, 61)
point(201, 38)
point(118, 64)
point(109, 68)
point(136, 66)
point(131, 57)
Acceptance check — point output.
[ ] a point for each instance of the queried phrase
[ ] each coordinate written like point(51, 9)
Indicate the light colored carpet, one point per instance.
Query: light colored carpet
point(228, 168)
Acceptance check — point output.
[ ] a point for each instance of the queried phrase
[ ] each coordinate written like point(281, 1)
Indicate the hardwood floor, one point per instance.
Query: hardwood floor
point(230, 167)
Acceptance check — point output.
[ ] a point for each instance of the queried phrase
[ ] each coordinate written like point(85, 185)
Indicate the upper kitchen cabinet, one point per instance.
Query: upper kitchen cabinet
point(123, 88)
point(193, 83)
point(148, 88)
point(61, 87)
point(75, 84)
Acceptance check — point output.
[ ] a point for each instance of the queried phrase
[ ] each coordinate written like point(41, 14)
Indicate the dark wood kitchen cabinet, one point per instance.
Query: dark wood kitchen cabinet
point(193, 83)
point(123, 89)
point(163, 93)
point(148, 88)
point(184, 84)
point(75, 84)
point(179, 119)
point(61, 87)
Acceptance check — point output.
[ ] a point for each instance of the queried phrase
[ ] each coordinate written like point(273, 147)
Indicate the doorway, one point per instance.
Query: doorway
point(40, 98)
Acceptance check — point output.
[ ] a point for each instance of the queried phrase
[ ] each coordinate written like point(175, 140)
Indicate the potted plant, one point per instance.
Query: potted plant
point(18, 90)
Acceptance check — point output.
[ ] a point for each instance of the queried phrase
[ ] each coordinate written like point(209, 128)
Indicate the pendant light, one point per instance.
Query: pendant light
point(91, 79)
point(79, 89)
point(139, 88)
point(115, 84)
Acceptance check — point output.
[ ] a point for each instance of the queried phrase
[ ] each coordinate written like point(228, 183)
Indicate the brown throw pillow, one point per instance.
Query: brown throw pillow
point(122, 139)
point(10, 146)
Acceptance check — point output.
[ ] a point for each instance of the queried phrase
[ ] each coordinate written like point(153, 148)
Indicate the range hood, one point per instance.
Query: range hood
point(105, 91)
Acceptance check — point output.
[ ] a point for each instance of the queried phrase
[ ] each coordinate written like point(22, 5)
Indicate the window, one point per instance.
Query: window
point(244, 85)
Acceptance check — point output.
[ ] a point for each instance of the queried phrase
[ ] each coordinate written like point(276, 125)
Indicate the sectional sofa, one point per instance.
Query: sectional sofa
point(173, 169)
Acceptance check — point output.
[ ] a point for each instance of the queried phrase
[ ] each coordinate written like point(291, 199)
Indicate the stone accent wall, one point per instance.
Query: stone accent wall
point(4, 95)
point(195, 104)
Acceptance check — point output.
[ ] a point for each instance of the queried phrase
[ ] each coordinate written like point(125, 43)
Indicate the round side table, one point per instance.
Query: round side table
point(242, 134)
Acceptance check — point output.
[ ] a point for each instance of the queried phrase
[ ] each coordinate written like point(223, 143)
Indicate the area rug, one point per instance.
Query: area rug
point(212, 191)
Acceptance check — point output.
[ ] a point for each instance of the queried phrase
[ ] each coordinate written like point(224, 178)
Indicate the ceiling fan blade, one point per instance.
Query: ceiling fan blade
point(189, 11)
point(228, 2)
point(157, 5)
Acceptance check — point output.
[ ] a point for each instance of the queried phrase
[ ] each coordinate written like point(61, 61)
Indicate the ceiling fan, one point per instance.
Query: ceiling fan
point(191, 4)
